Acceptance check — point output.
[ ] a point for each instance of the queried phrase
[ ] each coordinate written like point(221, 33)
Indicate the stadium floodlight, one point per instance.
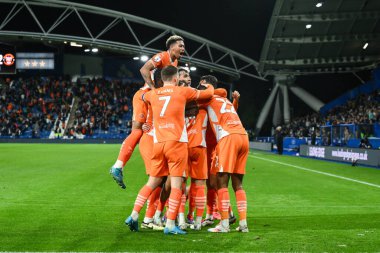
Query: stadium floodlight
point(94, 50)
point(87, 50)
point(319, 4)
point(193, 68)
point(308, 26)
point(365, 46)
point(144, 58)
point(74, 44)
point(136, 58)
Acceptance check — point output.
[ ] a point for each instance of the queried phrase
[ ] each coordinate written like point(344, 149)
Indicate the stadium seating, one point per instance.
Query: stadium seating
point(41, 108)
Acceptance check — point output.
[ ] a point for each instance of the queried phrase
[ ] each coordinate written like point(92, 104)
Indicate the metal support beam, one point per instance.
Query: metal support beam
point(323, 61)
point(328, 17)
point(315, 70)
point(306, 97)
point(265, 111)
point(285, 95)
point(270, 32)
point(277, 111)
point(226, 63)
point(327, 38)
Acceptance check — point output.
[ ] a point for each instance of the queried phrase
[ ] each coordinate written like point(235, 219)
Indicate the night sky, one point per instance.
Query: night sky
point(241, 26)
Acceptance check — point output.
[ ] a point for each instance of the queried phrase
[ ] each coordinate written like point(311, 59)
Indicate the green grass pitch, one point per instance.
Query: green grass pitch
point(61, 198)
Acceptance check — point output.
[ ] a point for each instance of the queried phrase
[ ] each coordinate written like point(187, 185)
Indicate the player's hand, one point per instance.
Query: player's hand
point(146, 127)
point(236, 95)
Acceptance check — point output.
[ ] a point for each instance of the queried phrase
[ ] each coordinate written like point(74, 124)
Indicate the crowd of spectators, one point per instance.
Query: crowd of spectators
point(363, 110)
point(103, 105)
point(34, 107)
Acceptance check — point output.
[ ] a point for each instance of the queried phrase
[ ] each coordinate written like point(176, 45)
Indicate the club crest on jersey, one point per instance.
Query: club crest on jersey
point(157, 58)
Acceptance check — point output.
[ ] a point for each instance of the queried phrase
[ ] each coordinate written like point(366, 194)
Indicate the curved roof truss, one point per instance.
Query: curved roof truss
point(53, 20)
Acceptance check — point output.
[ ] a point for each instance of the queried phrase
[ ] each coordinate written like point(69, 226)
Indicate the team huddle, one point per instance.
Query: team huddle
point(183, 133)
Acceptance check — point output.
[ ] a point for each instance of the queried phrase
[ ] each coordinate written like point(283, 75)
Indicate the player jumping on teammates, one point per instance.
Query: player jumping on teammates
point(175, 48)
point(170, 153)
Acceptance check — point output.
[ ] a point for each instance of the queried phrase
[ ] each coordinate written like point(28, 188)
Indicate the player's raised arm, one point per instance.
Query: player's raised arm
point(145, 73)
point(236, 97)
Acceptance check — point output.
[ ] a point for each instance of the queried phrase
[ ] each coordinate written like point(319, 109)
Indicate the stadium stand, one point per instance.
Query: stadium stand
point(43, 107)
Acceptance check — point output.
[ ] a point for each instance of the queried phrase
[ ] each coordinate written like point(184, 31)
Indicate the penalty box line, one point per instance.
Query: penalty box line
point(316, 171)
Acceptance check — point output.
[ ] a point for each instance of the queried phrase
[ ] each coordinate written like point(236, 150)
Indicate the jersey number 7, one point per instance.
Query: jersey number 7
point(167, 100)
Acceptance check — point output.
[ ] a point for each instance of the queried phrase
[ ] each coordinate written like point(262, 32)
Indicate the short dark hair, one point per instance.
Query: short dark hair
point(173, 39)
point(210, 79)
point(182, 69)
point(168, 72)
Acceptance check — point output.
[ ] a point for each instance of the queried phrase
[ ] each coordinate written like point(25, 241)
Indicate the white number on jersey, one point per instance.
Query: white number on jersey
point(167, 99)
point(226, 107)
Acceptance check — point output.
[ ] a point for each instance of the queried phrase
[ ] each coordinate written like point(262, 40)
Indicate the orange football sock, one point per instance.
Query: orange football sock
point(211, 199)
point(152, 200)
point(129, 145)
point(183, 204)
point(224, 202)
point(142, 197)
point(200, 199)
point(241, 200)
point(192, 194)
point(174, 203)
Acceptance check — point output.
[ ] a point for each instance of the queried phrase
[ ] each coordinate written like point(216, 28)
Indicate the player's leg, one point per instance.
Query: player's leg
point(241, 201)
point(191, 195)
point(158, 171)
point(211, 188)
point(139, 117)
point(162, 202)
point(176, 154)
point(146, 150)
point(223, 203)
point(198, 172)
point(181, 211)
point(226, 152)
point(237, 182)
point(142, 196)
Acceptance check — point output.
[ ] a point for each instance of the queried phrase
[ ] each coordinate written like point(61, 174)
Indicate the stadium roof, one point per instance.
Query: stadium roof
point(54, 20)
point(322, 36)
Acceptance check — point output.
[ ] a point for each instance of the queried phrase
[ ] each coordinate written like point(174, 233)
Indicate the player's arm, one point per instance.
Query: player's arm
point(236, 97)
point(221, 92)
point(145, 73)
point(205, 94)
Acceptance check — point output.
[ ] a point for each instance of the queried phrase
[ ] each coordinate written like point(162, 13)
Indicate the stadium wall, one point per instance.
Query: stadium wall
point(343, 154)
point(265, 146)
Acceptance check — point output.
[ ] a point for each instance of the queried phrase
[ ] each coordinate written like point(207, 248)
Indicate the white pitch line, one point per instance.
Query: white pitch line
point(316, 171)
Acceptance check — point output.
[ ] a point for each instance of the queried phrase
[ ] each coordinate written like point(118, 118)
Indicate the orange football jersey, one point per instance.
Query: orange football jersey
point(140, 109)
point(168, 109)
point(162, 60)
point(223, 118)
point(196, 129)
